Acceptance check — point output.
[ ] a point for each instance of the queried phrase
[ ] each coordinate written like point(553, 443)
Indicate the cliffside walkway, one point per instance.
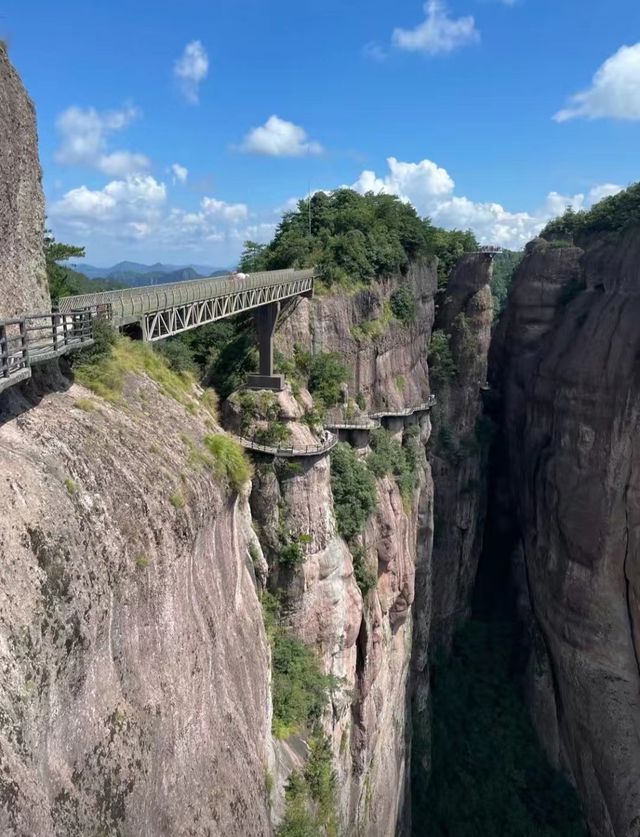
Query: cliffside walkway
point(290, 452)
point(36, 338)
point(424, 407)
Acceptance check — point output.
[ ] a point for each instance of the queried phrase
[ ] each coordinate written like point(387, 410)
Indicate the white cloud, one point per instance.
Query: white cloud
point(84, 134)
point(128, 206)
point(180, 173)
point(614, 92)
point(190, 70)
point(431, 190)
point(418, 183)
point(279, 138)
point(132, 213)
point(225, 211)
point(438, 34)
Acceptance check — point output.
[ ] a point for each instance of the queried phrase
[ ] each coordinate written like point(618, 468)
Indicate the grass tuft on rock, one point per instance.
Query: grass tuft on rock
point(229, 460)
point(105, 373)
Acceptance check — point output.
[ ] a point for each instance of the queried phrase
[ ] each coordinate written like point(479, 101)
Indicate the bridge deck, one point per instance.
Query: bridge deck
point(163, 310)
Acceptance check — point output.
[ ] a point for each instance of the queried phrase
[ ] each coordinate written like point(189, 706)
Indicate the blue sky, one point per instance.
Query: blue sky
point(173, 131)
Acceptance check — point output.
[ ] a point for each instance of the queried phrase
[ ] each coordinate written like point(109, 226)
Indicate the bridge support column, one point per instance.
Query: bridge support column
point(266, 319)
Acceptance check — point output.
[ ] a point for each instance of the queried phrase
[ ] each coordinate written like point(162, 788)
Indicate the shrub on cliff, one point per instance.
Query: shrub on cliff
point(311, 806)
point(300, 689)
point(390, 457)
point(403, 305)
point(442, 367)
point(327, 373)
point(354, 490)
point(230, 460)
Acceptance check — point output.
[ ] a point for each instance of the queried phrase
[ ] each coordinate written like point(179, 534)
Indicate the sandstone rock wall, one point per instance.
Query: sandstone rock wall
point(134, 684)
point(23, 281)
point(567, 359)
point(460, 448)
point(389, 369)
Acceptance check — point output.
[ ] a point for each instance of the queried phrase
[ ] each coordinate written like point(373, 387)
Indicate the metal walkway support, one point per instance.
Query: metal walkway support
point(266, 320)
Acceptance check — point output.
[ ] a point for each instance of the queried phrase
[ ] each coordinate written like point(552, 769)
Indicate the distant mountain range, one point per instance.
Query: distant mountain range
point(136, 274)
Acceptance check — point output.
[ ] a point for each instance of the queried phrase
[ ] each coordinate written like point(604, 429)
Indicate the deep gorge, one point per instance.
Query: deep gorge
point(430, 630)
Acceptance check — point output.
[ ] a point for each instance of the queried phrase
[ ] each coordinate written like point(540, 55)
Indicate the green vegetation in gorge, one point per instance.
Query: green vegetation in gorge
point(354, 238)
point(300, 689)
point(442, 367)
point(311, 795)
point(390, 457)
point(489, 776)
point(505, 265)
point(354, 490)
point(614, 214)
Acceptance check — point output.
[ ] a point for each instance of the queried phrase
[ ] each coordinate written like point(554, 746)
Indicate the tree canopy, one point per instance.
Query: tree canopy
point(613, 214)
point(354, 238)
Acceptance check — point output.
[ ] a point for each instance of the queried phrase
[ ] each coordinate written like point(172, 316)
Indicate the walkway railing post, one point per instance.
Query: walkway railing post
point(4, 352)
point(55, 322)
point(24, 343)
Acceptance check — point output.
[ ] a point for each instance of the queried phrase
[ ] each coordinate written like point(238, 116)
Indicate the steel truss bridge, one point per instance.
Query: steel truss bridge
point(152, 313)
point(164, 310)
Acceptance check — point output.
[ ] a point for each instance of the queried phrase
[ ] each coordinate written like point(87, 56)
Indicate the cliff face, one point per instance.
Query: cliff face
point(459, 453)
point(23, 281)
point(364, 641)
point(387, 361)
point(134, 687)
point(567, 359)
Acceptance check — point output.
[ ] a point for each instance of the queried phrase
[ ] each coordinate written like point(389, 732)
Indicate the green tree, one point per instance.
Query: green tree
point(57, 275)
point(253, 257)
point(354, 490)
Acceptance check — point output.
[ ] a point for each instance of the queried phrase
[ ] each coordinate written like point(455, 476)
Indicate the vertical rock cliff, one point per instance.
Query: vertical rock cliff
point(459, 452)
point(134, 687)
point(366, 641)
point(567, 359)
point(23, 281)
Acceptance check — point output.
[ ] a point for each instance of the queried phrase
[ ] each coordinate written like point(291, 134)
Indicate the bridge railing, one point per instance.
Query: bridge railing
point(36, 338)
point(132, 304)
point(307, 450)
point(14, 352)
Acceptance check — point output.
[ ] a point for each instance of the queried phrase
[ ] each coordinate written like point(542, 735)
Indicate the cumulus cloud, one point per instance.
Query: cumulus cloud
point(418, 183)
point(190, 70)
point(133, 212)
point(614, 92)
point(431, 190)
point(180, 173)
point(128, 206)
point(279, 138)
point(438, 34)
point(225, 211)
point(84, 134)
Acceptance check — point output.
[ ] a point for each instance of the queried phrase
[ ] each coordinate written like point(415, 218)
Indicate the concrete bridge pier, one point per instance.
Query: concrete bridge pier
point(266, 320)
